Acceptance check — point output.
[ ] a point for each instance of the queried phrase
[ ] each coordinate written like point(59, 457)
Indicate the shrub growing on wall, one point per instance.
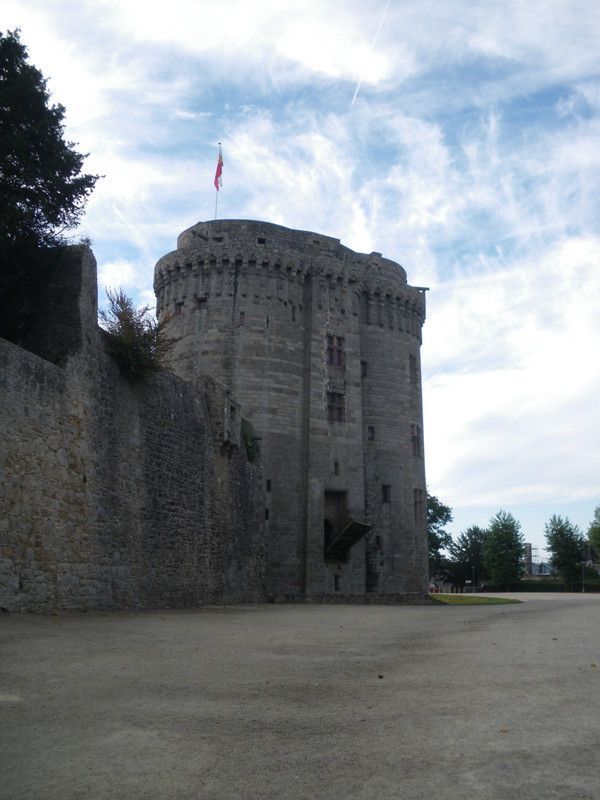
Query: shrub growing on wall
point(137, 341)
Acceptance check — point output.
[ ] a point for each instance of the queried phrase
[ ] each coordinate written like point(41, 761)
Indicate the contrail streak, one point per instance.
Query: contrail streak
point(358, 85)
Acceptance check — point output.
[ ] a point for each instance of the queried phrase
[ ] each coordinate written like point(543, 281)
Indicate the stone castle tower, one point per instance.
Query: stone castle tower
point(320, 346)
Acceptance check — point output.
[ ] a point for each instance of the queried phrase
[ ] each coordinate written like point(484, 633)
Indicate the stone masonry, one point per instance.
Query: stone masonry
point(115, 495)
point(320, 345)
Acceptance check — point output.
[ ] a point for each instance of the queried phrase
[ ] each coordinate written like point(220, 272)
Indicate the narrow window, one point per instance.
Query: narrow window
point(329, 350)
point(371, 433)
point(267, 322)
point(386, 493)
point(364, 369)
point(339, 352)
point(266, 513)
point(336, 468)
point(336, 583)
point(178, 309)
point(418, 505)
point(413, 372)
point(293, 313)
point(241, 317)
point(268, 484)
point(415, 437)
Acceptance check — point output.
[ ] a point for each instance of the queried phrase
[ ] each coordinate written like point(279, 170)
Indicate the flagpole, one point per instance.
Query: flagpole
point(216, 199)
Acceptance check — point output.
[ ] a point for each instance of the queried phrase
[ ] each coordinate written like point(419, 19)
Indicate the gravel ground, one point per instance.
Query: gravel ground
point(298, 701)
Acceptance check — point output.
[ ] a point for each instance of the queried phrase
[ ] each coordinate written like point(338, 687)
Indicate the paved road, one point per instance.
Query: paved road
point(313, 702)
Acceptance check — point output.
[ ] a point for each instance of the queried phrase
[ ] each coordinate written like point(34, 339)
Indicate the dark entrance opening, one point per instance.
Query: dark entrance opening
point(334, 517)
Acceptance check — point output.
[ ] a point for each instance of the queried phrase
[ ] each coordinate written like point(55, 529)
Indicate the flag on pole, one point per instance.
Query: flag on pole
point(219, 171)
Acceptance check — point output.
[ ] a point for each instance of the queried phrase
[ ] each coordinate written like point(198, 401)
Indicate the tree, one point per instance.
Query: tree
point(568, 547)
point(466, 557)
point(438, 515)
point(503, 549)
point(42, 190)
point(137, 342)
point(594, 532)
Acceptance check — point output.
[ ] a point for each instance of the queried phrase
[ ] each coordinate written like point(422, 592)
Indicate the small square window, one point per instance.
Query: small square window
point(386, 493)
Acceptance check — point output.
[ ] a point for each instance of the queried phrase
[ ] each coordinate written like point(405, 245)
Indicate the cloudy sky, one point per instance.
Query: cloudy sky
point(458, 138)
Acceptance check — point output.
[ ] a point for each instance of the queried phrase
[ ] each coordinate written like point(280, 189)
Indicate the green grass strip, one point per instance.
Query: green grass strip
point(470, 600)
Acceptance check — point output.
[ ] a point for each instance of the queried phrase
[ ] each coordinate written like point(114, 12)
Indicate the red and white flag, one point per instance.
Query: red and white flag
point(219, 171)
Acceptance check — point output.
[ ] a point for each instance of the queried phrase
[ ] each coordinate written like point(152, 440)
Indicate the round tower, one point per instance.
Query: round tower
point(320, 345)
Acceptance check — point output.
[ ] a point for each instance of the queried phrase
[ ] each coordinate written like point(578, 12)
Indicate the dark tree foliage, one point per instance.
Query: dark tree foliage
point(42, 190)
point(466, 557)
point(438, 515)
point(137, 341)
point(594, 532)
point(503, 550)
point(568, 548)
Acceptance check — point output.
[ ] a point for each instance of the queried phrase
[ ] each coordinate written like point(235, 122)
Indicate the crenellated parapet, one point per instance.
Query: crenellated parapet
point(261, 263)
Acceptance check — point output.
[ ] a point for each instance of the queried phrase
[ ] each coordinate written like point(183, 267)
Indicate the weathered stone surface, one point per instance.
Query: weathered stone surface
point(119, 495)
point(253, 304)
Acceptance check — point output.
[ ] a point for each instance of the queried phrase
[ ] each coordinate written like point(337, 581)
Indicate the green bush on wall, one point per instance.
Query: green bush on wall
point(250, 440)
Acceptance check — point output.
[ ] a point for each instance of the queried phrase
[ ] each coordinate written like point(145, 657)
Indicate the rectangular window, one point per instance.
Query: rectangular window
point(386, 493)
point(201, 303)
point(268, 484)
point(418, 508)
point(371, 433)
point(335, 351)
point(415, 438)
point(178, 309)
point(364, 369)
point(241, 317)
point(413, 370)
point(266, 513)
point(336, 411)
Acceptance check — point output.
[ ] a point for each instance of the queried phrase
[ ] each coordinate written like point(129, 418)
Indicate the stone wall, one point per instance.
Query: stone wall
point(118, 495)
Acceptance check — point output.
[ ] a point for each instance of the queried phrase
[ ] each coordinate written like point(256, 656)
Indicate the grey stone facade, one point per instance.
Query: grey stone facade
point(115, 495)
point(320, 345)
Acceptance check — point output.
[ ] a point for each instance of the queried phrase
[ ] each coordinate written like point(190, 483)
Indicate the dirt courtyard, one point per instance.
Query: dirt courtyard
point(279, 702)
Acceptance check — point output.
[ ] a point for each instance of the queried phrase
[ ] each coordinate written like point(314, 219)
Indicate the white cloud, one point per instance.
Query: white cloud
point(510, 377)
point(115, 274)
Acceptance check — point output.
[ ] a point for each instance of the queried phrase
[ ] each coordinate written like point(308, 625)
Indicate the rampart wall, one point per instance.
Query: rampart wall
point(118, 495)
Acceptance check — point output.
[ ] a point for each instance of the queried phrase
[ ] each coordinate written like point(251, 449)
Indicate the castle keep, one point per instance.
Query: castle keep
point(320, 346)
